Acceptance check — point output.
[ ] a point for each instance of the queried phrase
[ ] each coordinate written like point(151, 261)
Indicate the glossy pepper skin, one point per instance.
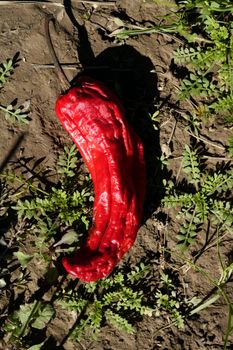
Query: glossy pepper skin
point(113, 153)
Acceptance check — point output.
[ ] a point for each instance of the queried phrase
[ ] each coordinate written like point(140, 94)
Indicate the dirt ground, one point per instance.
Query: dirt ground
point(141, 72)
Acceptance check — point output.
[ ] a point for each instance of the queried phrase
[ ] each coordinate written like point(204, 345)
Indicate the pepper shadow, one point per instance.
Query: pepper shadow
point(132, 77)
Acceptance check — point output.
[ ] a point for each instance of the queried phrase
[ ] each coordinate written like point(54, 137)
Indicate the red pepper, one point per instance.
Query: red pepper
point(94, 118)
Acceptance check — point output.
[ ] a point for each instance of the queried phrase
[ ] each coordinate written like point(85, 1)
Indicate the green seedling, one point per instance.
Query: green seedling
point(204, 199)
point(19, 114)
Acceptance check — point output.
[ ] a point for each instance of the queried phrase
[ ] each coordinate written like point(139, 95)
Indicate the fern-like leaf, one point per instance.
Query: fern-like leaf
point(72, 302)
point(125, 299)
point(7, 68)
point(218, 182)
point(16, 115)
point(197, 85)
point(223, 214)
point(138, 273)
point(67, 162)
point(178, 199)
point(230, 147)
point(189, 228)
point(191, 165)
point(119, 322)
point(185, 55)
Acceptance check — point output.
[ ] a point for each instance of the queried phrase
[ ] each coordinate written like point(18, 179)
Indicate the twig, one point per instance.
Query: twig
point(179, 170)
point(75, 66)
point(218, 158)
point(202, 138)
point(212, 245)
point(206, 157)
point(70, 66)
point(31, 3)
point(61, 75)
point(54, 3)
point(172, 133)
point(165, 122)
point(103, 3)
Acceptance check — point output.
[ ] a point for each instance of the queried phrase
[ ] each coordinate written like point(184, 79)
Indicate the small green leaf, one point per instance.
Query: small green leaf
point(17, 115)
point(46, 313)
point(69, 238)
point(25, 312)
point(23, 258)
point(118, 22)
point(36, 346)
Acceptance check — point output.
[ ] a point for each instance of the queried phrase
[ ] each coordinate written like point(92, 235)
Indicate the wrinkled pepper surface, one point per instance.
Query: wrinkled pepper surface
point(94, 118)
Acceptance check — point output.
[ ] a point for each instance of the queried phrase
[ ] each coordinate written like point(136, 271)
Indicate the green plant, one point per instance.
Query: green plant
point(116, 300)
point(211, 63)
point(206, 50)
point(155, 119)
point(218, 288)
point(203, 196)
point(63, 208)
point(230, 150)
point(6, 69)
point(169, 299)
point(33, 315)
point(197, 85)
point(123, 298)
point(19, 114)
point(67, 163)
point(54, 214)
